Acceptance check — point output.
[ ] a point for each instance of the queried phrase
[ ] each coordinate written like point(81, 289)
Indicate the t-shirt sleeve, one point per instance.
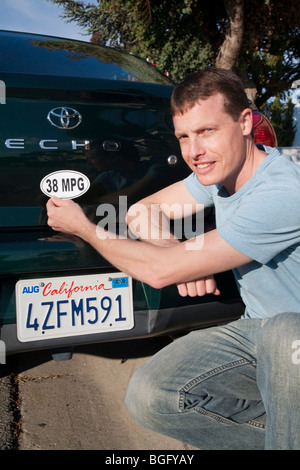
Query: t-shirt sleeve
point(264, 224)
point(202, 194)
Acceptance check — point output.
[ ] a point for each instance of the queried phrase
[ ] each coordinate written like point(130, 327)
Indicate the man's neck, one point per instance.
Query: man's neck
point(253, 159)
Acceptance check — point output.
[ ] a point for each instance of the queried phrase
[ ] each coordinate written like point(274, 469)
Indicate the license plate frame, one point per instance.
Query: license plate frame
point(59, 307)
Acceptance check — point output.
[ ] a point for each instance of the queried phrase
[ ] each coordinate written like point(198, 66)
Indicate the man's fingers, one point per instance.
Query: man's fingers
point(56, 201)
point(211, 286)
point(182, 289)
point(198, 288)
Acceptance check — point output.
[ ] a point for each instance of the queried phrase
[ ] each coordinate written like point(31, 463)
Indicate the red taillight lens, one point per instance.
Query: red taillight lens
point(263, 132)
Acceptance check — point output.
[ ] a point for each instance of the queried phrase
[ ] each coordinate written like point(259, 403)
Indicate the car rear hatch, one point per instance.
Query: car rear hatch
point(72, 112)
point(77, 124)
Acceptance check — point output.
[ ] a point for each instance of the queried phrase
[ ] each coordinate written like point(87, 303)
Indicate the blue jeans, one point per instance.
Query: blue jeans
point(228, 387)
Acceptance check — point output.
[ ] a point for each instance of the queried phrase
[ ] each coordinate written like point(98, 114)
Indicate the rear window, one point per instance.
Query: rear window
point(41, 55)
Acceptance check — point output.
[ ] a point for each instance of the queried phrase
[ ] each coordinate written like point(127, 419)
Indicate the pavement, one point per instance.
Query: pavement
point(8, 418)
point(79, 404)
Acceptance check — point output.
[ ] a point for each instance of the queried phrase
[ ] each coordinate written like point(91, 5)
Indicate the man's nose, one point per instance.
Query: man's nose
point(197, 148)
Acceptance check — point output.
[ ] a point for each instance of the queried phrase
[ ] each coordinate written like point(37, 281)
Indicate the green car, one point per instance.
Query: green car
point(90, 123)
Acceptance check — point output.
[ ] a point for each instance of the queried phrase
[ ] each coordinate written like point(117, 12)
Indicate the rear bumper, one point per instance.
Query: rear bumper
point(148, 323)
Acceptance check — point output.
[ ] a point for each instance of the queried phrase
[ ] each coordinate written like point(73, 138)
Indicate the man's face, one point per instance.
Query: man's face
point(212, 144)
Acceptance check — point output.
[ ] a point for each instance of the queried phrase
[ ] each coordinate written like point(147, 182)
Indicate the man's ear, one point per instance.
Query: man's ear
point(246, 120)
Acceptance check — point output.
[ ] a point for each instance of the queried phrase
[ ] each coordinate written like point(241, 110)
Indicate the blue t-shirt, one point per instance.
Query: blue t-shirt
point(262, 221)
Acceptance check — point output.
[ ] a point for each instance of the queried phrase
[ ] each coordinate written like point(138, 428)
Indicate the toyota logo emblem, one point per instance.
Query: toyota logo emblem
point(64, 118)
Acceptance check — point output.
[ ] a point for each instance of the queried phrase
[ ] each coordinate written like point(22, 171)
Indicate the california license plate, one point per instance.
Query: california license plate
point(57, 307)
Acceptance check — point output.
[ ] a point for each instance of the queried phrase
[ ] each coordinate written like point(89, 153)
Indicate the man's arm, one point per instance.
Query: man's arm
point(149, 220)
point(155, 265)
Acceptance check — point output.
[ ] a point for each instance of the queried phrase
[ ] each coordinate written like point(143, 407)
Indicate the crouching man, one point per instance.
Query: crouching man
point(234, 386)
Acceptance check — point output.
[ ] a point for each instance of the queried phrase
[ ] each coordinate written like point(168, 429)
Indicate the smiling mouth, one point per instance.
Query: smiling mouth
point(203, 165)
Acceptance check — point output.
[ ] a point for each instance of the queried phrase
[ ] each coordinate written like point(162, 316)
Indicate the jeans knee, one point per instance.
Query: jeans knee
point(149, 399)
point(140, 398)
point(280, 327)
point(134, 396)
point(279, 332)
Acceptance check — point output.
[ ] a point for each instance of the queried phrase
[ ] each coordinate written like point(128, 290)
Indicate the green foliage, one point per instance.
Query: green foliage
point(182, 36)
point(281, 118)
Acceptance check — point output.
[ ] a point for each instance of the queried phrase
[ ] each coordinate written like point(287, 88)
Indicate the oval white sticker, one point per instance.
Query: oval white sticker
point(65, 184)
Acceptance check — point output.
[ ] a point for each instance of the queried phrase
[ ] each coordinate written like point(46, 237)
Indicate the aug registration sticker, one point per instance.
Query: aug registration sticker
point(75, 305)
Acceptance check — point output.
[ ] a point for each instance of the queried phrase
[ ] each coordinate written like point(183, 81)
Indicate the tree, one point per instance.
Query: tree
point(259, 39)
point(289, 126)
point(280, 115)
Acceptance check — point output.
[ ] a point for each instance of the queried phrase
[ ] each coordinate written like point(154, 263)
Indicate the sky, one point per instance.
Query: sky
point(38, 16)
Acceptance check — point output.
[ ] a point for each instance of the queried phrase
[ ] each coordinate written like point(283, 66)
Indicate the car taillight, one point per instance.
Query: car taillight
point(263, 132)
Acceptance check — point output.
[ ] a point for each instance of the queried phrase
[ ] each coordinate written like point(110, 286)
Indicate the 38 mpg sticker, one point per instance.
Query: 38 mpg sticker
point(65, 184)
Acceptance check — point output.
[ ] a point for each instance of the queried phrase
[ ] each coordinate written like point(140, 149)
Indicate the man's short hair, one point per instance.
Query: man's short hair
point(208, 82)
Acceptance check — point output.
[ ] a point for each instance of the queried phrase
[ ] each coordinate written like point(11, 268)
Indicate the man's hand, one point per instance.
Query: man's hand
point(66, 216)
point(206, 285)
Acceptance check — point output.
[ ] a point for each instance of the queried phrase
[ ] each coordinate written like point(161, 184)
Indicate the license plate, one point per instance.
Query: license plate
point(75, 305)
